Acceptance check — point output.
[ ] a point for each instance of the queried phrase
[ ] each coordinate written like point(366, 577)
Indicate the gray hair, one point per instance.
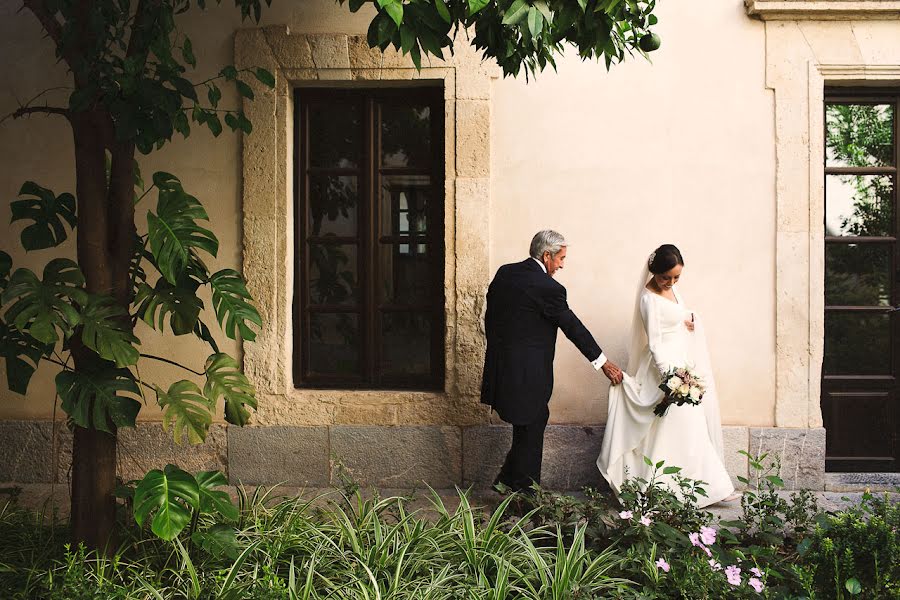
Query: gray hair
point(546, 241)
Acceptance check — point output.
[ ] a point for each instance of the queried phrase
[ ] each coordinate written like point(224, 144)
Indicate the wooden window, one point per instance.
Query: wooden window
point(862, 281)
point(369, 269)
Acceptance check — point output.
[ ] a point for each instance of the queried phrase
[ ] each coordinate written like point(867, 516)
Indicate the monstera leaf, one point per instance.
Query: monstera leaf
point(106, 331)
point(49, 212)
point(173, 231)
point(22, 353)
point(180, 303)
point(224, 378)
point(213, 500)
point(230, 300)
point(186, 410)
point(92, 397)
point(170, 496)
point(41, 308)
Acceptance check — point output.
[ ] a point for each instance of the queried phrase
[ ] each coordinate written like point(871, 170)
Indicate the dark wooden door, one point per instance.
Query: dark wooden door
point(862, 281)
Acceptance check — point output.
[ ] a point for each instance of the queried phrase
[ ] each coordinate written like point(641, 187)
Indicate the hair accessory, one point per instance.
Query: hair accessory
point(651, 259)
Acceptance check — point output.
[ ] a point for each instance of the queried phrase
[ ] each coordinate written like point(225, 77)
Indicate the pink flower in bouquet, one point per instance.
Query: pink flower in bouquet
point(756, 584)
point(756, 571)
point(645, 521)
point(626, 514)
point(662, 564)
point(708, 535)
point(714, 565)
point(733, 574)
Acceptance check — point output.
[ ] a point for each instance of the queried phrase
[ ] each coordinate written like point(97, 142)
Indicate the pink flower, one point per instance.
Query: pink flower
point(645, 521)
point(708, 553)
point(695, 539)
point(714, 565)
point(662, 564)
point(756, 572)
point(756, 584)
point(708, 535)
point(733, 574)
point(626, 514)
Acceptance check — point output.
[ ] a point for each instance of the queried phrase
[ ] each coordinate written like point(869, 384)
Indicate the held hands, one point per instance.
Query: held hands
point(689, 323)
point(612, 372)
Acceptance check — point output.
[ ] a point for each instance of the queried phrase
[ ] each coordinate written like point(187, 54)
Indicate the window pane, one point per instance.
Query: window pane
point(859, 205)
point(857, 274)
point(334, 344)
point(405, 344)
point(857, 344)
point(333, 205)
point(404, 275)
point(405, 135)
point(333, 274)
point(859, 135)
point(405, 200)
point(335, 135)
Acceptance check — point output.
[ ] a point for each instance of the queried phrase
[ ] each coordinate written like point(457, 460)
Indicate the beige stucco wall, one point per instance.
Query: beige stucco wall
point(682, 150)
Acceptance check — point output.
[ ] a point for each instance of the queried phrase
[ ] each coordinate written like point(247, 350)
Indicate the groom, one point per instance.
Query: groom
point(525, 307)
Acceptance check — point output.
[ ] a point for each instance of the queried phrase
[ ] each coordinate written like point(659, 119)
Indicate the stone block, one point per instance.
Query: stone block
point(148, 446)
point(295, 456)
point(484, 450)
point(399, 457)
point(28, 451)
point(859, 482)
point(736, 439)
point(570, 457)
point(473, 138)
point(801, 453)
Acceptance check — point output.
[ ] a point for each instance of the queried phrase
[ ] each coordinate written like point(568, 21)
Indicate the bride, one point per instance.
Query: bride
point(665, 334)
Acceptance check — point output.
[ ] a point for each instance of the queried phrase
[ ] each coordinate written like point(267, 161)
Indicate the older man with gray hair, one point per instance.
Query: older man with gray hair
point(525, 308)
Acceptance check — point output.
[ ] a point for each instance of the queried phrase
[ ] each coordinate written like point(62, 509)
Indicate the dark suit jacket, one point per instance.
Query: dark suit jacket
point(525, 307)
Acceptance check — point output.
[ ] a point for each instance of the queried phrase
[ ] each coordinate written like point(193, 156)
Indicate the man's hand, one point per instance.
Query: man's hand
point(612, 372)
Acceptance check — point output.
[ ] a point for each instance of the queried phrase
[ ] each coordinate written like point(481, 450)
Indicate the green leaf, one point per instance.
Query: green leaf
point(475, 6)
point(394, 10)
point(43, 308)
point(225, 379)
point(265, 77)
point(583, 5)
point(542, 6)
point(107, 331)
point(186, 410)
point(214, 95)
point(185, 88)
point(853, 586)
point(407, 38)
point(380, 31)
point(90, 396)
point(174, 234)
point(244, 90)
point(647, 461)
point(671, 470)
point(212, 121)
point(535, 22)
point(48, 213)
point(213, 500)
point(775, 480)
point(187, 52)
point(229, 72)
point(231, 303)
point(172, 495)
point(219, 541)
point(443, 11)
point(416, 56)
point(177, 302)
point(355, 5)
point(16, 347)
point(516, 13)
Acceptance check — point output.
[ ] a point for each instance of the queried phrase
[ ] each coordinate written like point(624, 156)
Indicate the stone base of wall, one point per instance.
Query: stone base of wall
point(404, 457)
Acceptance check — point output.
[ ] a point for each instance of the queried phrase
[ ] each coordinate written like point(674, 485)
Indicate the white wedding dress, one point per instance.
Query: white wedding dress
point(687, 436)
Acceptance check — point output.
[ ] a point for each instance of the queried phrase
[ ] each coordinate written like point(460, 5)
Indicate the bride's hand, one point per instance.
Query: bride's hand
point(689, 323)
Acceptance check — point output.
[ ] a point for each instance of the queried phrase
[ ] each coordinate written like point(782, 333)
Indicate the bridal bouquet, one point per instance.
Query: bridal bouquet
point(680, 386)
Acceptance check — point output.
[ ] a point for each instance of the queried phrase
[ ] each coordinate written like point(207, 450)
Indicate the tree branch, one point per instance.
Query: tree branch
point(51, 26)
point(28, 110)
point(173, 363)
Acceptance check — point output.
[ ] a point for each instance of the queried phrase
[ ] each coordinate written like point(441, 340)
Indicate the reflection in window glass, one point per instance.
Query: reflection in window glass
point(332, 205)
point(333, 274)
point(857, 344)
point(859, 135)
point(335, 135)
point(334, 344)
point(405, 135)
point(405, 344)
point(857, 275)
point(860, 205)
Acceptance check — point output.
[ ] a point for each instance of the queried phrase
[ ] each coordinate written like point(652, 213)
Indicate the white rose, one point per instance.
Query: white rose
point(696, 394)
point(684, 390)
point(674, 383)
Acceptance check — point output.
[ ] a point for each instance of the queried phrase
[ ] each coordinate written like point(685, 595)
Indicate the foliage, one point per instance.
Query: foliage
point(856, 552)
point(515, 33)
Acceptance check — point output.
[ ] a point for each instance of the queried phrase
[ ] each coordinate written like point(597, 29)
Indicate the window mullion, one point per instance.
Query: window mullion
point(369, 241)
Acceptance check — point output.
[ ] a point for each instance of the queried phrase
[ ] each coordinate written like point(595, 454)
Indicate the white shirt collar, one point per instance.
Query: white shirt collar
point(543, 268)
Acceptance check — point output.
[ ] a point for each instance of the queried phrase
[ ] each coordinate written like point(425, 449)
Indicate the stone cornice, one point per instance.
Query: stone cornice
point(823, 10)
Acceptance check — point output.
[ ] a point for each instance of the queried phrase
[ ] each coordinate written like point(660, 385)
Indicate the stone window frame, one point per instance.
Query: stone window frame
point(267, 223)
point(795, 31)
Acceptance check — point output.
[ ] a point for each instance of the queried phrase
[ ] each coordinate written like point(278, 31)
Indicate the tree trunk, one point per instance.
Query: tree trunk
point(94, 452)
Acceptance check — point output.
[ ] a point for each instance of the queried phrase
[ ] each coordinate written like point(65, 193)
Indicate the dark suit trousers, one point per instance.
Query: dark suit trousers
point(522, 467)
